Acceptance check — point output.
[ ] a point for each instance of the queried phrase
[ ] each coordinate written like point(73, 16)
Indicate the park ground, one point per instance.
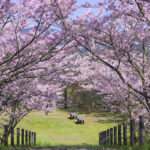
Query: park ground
point(56, 129)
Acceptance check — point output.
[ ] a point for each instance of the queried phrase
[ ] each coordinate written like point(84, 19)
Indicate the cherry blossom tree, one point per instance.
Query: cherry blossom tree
point(30, 34)
point(68, 71)
point(119, 40)
point(38, 57)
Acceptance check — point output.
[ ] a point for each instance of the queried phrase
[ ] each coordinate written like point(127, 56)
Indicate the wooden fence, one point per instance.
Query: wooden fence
point(111, 136)
point(23, 137)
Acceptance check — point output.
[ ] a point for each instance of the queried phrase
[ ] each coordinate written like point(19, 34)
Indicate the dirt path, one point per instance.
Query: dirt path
point(64, 148)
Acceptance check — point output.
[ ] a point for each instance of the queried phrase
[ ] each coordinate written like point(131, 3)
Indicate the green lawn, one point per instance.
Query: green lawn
point(57, 129)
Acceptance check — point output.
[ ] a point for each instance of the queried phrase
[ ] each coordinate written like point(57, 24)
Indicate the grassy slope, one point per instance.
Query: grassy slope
point(57, 129)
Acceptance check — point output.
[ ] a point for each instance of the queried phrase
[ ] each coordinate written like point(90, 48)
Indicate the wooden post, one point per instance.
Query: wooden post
point(115, 135)
point(12, 136)
point(18, 136)
point(100, 138)
point(34, 138)
point(141, 130)
point(111, 136)
point(26, 137)
point(125, 134)
point(22, 136)
point(119, 134)
point(132, 132)
point(29, 137)
point(108, 136)
point(104, 137)
point(5, 135)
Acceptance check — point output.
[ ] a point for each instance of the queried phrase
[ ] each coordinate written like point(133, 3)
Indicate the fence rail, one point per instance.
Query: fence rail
point(111, 137)
point(23, 137)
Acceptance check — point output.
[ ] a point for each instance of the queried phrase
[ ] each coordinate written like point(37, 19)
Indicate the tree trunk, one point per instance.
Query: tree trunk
point(65, 99)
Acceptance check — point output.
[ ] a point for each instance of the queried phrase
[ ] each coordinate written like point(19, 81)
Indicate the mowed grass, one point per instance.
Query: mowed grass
point(57, 129)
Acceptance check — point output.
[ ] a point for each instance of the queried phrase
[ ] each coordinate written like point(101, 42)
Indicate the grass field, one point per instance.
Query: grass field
point(57, 129)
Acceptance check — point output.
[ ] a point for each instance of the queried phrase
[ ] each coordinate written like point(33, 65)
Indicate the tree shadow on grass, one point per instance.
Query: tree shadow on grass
point(77, 110)
point(86, 111)
point(104, 114)
point(110, 121)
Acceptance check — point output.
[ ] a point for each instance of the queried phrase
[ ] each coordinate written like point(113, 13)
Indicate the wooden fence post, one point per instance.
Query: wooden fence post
point(141, 130)
point(104, 137)
point(5, 135)
point(115, 135)
point(132, 132)
point(18, 136)
point(34, 138)
point(125, 134)
point(111, 136)
point(29, 137)
point(119, 134)
point(26, 137)
point(12, 136)
point(22, 136)
point(99, 138)
point(108, 137)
